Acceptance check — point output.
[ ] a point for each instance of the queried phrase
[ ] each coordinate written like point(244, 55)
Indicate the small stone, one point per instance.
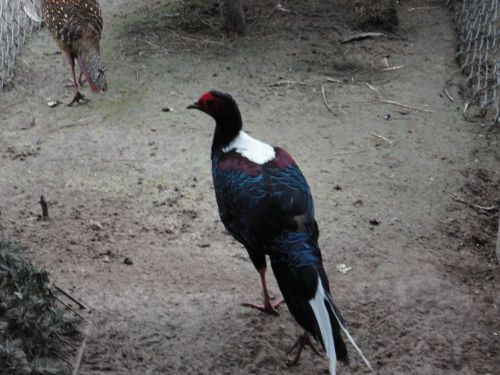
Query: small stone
point(358, 203)
point(374, 222)
point(343, 268)
point(128, 261)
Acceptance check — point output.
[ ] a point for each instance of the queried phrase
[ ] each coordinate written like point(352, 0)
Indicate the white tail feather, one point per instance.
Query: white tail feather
point(346, 332)
point(323, 318)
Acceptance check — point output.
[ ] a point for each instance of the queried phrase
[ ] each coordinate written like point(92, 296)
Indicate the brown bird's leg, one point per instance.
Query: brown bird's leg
point(268, 307)
point(301, 342)
point(78, 95)
point(80, 80)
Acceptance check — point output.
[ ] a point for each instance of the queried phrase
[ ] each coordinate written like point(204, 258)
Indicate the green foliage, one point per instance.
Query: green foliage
point(31, 325)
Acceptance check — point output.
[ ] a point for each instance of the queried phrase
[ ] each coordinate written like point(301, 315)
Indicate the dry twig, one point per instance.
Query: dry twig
point(349, 152)
point(406, 106)
point(335, 80)
point(448, 95)
point(341, 110)
point(370, 86)
point(382, 138)
point(80, 305)
point(324, 98)
point(473, 205)
point(360, 36)
point(61, 357)
point(422, 8)
point(391, 68)
point(283, 83)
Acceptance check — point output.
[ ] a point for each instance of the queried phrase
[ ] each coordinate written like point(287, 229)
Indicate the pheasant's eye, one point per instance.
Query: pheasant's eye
point(210, 102)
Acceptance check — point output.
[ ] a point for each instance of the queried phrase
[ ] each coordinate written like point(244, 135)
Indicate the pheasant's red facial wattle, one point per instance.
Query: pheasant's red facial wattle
point(209, 103)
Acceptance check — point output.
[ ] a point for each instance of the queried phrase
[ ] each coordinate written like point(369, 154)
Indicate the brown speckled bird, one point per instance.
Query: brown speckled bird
point(76, 26)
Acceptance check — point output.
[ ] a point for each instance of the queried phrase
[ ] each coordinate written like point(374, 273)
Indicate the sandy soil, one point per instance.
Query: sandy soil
point(422, 296)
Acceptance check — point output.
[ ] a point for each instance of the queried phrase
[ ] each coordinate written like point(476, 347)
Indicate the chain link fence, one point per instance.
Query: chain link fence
point(478, 25)
point(17, 19)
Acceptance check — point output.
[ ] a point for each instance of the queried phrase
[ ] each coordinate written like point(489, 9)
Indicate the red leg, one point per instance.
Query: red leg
point(80, 81)
point(78, 95)
point(301, 342)
point(268, 307)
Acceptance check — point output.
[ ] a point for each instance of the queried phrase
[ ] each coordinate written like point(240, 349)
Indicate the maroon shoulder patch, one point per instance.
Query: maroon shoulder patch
point(234, 161)
point(282, 160)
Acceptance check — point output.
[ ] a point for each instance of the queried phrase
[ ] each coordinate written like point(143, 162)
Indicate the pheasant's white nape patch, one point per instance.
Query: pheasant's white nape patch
point(251, 148)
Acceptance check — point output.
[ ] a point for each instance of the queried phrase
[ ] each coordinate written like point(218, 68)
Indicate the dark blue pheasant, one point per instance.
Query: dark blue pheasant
point(265, 203)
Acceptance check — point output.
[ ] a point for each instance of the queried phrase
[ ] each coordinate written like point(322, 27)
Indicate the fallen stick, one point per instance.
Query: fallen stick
point(80, 305)
point(66, 342)
point(282, 83)
point(335, 80)
point(360, 36)
point(69, 307)
point(349, 152)
point(382, 138)
point(45, 208)
point(391, 68)
point(324, 99)
point(406, 106)
point(370, 86)
point(448, 95)
point(61, 358)
point(473, 205)
point(466, 107)
point(422, 8)
point(341, 110)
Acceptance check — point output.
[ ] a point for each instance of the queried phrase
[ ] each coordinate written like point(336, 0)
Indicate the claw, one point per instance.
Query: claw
point(77, 98)
point(302, 341)
point(268, 307)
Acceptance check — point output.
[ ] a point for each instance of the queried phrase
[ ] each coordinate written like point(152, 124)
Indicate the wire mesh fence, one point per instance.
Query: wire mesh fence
point(17, 19)
point(478, 25)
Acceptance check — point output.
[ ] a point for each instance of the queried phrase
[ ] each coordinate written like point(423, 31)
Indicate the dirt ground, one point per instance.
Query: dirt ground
point(126, 179)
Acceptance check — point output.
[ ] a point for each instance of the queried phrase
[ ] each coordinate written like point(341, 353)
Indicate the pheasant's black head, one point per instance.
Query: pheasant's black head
point(224, 110)
point(218, 105)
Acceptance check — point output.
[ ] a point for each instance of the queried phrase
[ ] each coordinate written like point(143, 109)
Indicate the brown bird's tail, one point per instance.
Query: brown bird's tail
point(92, 67)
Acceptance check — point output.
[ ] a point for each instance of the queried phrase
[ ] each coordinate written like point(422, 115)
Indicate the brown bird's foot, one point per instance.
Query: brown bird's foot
point(268, 307)
point(81, 81)
point(77, 98)
point(301, 342)
point(70, 84)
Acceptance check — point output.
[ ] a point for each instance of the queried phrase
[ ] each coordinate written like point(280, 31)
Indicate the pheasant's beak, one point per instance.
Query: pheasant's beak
point(193, 106)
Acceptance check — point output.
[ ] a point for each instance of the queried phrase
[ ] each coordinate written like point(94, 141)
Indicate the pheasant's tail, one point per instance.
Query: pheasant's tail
point(346, 332)
point(330, 323)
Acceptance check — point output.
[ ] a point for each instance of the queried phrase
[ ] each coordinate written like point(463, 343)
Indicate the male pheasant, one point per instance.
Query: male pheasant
point(265, 203)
